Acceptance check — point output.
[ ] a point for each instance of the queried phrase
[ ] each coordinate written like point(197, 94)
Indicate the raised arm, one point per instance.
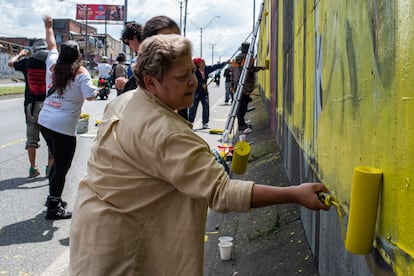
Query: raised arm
point(15, 58)
point(50, 35)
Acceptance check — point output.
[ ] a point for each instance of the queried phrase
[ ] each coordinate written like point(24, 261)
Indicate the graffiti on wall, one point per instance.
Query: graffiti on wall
point(342, 86)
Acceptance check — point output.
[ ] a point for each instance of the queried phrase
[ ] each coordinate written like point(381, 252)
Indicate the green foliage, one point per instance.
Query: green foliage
point(10, 90)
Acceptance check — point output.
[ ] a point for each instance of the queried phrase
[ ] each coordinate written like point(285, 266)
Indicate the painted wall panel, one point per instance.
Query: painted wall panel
point(344, 92)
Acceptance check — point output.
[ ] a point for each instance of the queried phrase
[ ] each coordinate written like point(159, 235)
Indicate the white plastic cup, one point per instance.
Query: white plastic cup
point(225, 239)
point(225, 250)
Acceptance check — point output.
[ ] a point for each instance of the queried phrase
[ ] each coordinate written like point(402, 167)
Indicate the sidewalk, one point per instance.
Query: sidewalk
point(267, 241)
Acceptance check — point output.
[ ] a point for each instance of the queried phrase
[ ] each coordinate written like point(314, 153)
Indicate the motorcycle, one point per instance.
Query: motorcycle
point(103, 88)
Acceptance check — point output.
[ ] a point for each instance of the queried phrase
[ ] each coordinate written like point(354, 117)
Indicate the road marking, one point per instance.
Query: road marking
point(12, 143)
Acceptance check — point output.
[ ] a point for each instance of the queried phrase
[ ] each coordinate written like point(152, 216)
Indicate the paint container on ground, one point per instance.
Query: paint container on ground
point(83, 124)
point(225, 239)
point(225, 250)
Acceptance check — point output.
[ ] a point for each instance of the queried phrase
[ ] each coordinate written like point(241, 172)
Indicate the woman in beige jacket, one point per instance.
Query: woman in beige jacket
point(142, 207)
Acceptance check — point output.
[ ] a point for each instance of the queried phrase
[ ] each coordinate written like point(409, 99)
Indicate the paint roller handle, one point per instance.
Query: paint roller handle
point(307, 195)
point(325, 198)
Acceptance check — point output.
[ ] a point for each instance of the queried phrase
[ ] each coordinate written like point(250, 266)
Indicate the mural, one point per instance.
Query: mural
point(339, 95)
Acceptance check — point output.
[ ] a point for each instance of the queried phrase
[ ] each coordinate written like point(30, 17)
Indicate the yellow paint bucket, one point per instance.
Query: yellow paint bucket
point(241, 155)
point(83, 123)
point(366, 184)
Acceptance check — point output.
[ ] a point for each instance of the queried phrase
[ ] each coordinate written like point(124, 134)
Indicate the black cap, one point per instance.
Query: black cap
point(69, 51)
point(39, 49)
point(39, 45)
point(245, 47)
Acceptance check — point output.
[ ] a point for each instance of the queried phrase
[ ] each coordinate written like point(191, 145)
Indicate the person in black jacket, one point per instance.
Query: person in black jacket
point(201, 94)
point(228, 84)
point(34, 71)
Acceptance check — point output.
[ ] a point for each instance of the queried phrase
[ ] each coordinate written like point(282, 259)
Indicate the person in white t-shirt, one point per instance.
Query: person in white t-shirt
point(68, 84)
point(104, 69)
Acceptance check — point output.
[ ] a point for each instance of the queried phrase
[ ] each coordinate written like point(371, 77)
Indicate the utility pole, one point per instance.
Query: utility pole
point(125, 22)
point(212, 53)
point(106, 30)
point(254, 13)
point(181, 17)
point(86, 33)
point(201, 33)
point(185, 16)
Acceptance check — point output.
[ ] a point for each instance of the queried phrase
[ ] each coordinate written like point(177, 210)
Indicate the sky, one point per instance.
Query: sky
point(225, 23)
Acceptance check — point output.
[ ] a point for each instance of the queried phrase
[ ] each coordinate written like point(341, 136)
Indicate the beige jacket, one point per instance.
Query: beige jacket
point(141, 209)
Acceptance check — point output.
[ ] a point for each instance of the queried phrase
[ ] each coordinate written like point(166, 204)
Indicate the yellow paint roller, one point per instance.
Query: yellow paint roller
point(215, 131)
point(366, 184)
point(241, 155)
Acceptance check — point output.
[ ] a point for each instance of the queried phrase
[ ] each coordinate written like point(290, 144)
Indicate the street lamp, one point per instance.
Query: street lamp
point(201, 33)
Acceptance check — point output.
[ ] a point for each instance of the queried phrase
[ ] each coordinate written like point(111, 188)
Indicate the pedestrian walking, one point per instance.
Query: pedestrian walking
point(136, 217)
point(217, 77)
point(34, 71)
point(68, 84)
point(228, 85)
point(201, 94)
point(120, 70)
point(104, 69)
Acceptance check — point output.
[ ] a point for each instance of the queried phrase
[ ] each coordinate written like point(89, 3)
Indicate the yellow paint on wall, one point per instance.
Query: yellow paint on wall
point(367, 101)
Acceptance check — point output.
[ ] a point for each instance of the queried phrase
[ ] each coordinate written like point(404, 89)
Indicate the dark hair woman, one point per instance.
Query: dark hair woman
point(69, 84)
point(156, 25)
point(160, 25)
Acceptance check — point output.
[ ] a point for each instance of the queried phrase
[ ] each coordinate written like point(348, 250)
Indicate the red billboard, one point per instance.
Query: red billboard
point(97, 12)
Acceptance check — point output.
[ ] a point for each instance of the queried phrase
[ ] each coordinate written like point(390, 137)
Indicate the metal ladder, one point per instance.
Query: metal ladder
point(235, 106)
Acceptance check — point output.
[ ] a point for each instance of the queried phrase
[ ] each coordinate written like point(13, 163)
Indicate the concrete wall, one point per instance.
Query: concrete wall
point(5, 71)
point(339, 95)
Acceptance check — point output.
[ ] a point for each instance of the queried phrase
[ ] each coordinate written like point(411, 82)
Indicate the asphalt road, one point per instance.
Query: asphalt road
point(29, 244)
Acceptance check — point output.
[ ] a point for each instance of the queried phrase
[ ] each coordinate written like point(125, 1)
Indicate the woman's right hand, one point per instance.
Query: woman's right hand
point(306, 194)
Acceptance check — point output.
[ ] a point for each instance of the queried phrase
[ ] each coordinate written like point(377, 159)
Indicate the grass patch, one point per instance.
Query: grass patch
point(272, 226)
point(11, 90)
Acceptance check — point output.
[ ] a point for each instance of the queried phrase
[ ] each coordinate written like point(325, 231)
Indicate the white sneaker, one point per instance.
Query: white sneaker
point(205, 126)
point(247, 130)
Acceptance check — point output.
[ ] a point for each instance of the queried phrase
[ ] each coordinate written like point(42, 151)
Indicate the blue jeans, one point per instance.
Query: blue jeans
point(193, 109)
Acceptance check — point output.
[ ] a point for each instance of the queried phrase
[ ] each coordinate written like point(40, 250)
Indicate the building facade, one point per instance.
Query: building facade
point(92, 45)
